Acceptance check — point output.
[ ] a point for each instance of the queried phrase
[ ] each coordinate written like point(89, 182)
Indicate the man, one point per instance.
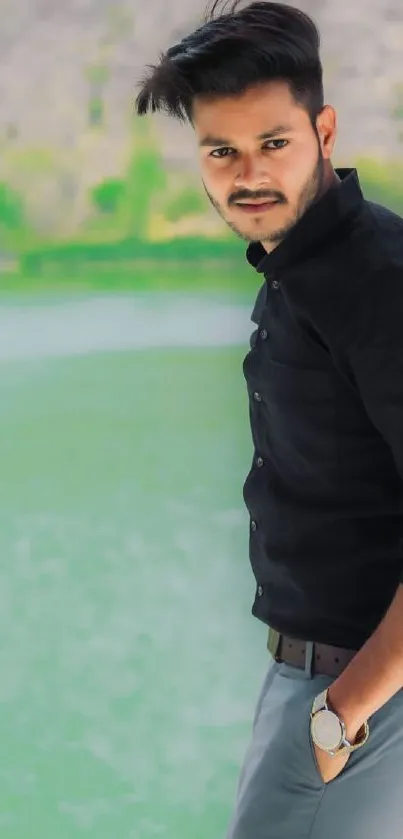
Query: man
point(325, 383)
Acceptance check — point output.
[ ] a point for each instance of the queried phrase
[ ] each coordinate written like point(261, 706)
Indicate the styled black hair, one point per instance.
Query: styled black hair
point(265, 41)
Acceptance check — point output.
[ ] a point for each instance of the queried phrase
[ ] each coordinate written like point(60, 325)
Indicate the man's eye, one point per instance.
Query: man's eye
point(218, 152)
point(275, 148)
point(271, 145)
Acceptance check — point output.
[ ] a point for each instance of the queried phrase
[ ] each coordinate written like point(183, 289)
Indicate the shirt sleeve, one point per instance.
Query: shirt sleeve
point(375, 358)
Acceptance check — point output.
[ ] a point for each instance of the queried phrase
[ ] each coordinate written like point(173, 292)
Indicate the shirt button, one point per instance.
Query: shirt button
point(276, 285)
point(253, 525)
point(259, 462)
point(263, 334)
point(260, 591)
point(257, 397)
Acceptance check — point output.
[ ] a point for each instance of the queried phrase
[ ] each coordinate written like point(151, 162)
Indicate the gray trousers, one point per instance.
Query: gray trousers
point(281, 794)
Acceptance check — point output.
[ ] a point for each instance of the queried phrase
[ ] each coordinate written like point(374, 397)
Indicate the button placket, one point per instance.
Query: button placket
point(259, 460)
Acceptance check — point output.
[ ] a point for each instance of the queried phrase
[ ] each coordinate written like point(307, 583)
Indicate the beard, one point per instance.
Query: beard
point(309, 193)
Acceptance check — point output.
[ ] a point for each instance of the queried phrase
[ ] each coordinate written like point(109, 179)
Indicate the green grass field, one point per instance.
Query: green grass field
point(130, 660)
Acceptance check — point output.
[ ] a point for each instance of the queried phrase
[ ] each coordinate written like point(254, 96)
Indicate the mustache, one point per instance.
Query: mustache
point(257, 196)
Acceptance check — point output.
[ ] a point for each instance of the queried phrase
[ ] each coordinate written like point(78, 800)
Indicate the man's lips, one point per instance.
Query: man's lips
point(256, 206)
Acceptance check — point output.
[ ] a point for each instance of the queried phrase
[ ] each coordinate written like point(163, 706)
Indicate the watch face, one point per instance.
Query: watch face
point(326, 730)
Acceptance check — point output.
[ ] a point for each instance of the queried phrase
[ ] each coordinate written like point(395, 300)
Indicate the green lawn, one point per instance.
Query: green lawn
point(130, 661)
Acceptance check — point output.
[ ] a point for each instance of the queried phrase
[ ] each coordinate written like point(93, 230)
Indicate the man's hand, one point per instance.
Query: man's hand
point(330, 767)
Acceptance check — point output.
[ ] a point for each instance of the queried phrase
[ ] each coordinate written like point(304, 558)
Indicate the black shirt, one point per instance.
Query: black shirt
point(325, 383)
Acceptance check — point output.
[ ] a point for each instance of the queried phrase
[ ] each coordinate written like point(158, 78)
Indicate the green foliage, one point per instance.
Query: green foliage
point(382, 183)
point(186, 203)
point(144, 179)
point(97, 74)
point(216, 277)
point(14, 230)
point(128, 201)
point(144, 183)
point(107, 195)
point(33, 160)
point(123, 206)
point(11, 209)
point(96, 111)
point(132, 250)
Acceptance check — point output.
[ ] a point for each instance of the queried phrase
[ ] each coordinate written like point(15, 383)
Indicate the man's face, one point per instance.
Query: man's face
point(259, 148)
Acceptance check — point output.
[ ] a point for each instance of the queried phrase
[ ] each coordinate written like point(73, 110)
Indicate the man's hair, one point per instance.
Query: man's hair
point(238, 49)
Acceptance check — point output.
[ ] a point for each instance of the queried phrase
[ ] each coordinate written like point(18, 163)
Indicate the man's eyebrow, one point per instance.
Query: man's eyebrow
point(210, 140)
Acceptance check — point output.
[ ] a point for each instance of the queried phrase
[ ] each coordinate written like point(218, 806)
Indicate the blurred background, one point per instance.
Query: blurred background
point(130, 662)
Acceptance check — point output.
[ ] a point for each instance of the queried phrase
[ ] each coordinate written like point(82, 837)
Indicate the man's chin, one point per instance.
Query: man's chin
point(270, 238)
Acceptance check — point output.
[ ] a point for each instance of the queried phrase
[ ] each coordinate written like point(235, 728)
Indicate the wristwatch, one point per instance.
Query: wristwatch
point(328, 731)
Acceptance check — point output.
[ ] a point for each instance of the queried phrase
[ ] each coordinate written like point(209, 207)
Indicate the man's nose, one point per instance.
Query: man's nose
point(252, 173)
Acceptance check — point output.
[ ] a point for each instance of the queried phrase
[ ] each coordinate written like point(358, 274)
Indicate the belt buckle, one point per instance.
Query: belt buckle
point(273, 644)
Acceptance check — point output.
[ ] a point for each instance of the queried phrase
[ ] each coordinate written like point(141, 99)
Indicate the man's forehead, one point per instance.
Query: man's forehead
point(264, 92)
point(259, 113)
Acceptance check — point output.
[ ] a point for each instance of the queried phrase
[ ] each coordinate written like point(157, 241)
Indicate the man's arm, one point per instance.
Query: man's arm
point(374, 675)
point(375, 358)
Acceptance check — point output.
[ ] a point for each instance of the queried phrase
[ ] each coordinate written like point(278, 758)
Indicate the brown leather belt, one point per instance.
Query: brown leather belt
point(320, 659)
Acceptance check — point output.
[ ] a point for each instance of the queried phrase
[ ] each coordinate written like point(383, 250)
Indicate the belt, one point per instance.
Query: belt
point(319, 659)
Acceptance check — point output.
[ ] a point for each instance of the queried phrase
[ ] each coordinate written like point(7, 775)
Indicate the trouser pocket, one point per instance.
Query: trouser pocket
point(313, 758)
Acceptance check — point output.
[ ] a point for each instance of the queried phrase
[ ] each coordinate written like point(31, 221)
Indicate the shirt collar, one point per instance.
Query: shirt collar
point(320, 220)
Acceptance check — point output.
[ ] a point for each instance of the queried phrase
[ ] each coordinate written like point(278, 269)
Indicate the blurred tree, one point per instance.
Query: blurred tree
point(11, 209)
point(189, 202)
point(97, 75)
point(12, 218)
point(144, 180)
point(96, 111)
point(107, 195)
